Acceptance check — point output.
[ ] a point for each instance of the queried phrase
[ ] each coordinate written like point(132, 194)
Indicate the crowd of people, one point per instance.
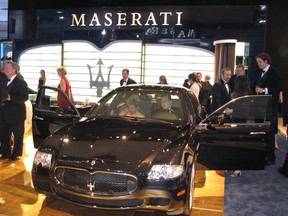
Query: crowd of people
point(14, 93)
point(229, 86)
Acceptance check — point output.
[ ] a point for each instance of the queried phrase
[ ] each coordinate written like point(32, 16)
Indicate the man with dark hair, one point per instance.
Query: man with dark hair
point(195, 88)
point(13, 112)
point(126, 80)
point(239, 71)
point(221, 92)
point(269, 83)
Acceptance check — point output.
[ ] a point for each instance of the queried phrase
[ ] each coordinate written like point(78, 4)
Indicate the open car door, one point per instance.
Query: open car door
point(234, 136)
point(46, 111)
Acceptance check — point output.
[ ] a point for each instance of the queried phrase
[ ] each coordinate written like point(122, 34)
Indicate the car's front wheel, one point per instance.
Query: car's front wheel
point(190, 192)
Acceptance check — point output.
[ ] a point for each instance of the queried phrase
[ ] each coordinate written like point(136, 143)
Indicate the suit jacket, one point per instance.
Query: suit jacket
point(14, 110)
point(232, 82)
point(220, 96)
point(129, 81)
point(272, 81)
point(205, 92)
point(3, 87)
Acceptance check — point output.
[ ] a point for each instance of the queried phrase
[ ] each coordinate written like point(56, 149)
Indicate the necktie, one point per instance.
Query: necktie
point(263, 73)
point(227, 87)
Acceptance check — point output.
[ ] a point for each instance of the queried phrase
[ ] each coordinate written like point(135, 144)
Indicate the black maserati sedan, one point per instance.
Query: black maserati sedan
point(138, 148)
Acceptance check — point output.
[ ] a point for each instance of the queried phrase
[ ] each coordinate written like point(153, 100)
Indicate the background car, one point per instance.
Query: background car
point(129, 152)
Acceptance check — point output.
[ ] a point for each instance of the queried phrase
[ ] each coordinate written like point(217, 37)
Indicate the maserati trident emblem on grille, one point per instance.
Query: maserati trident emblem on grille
point(90, 185)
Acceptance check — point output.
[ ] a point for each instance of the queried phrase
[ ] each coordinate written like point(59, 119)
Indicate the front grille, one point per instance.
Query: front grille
point(97, 183)
point(100, 203)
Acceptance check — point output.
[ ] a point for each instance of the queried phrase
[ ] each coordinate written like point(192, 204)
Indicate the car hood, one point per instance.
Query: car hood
point(119, 140)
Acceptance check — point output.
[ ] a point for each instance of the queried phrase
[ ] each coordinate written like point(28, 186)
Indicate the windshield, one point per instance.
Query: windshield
point(141, 104)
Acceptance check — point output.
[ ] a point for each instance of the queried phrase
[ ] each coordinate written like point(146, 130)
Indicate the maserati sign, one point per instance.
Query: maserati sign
point(118, 19)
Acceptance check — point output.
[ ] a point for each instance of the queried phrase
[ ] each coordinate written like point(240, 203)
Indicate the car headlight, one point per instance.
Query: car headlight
point(163, 172)
point(42, 158)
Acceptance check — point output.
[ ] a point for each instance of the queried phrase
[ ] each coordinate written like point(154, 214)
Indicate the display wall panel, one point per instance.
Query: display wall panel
point(84, 62)
point(176, 62)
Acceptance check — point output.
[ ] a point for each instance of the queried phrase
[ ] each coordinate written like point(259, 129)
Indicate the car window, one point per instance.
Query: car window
point(149, 105)
point(47, 101)
point(246, 109)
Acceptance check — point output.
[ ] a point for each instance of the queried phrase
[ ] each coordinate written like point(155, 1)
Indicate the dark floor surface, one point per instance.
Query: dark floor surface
point(258, 193)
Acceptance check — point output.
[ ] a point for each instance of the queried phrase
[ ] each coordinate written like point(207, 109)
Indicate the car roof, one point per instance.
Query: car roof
point(154, 87)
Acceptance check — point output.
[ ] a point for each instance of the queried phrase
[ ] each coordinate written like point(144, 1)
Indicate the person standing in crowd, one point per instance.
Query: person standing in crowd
point(42, 79)
point(221, 90)
point(239, 71)
point(162, 80)
point(205, 90)
point(269, 83)
point(199, 79)
point(126, 79)
point(3, 87)
point(65, 86)
point(13, 113)
point(194, 85)
point(241, 88)
point(206, 99)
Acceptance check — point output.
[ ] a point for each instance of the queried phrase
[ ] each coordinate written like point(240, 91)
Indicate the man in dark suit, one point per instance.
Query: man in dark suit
point(3, 91)
point(126, 80)
point(13, 113)
point(269, 83)
point(239, 71)
point(221, 92)
point(3, 86)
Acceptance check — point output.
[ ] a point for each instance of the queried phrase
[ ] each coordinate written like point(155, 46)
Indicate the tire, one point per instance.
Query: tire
point(190, 193)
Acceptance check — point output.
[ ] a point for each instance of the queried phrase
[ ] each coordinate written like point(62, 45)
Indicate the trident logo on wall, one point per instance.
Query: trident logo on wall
point(99, 82)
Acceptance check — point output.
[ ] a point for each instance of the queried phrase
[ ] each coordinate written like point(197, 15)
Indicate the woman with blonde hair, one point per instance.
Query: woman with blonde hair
point(65, 86)
point(132, 106)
